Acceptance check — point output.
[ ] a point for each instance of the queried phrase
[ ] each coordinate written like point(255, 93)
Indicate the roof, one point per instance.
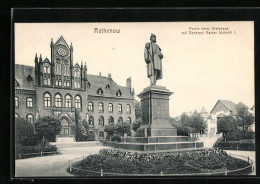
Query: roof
point(252, 108)
point(203, 110)
point(241, 105)
point(230, 105)
point(96, 82)
point(24, 76)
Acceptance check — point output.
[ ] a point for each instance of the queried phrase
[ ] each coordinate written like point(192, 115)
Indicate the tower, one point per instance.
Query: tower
point(36, 70)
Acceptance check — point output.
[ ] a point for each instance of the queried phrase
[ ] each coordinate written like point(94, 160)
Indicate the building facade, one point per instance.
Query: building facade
point(222, 108)
point(58, 87)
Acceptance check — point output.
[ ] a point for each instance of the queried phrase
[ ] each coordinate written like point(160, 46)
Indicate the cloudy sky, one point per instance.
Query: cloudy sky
point(198, 68)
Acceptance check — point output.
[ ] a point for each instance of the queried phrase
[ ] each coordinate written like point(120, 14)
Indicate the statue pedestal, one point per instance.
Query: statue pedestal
point(155, 110)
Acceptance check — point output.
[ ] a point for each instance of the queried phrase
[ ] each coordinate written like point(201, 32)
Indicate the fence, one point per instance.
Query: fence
point(247, 169)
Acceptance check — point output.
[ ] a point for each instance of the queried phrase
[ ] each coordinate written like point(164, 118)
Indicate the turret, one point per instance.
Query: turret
point(40, 61)
point(129, 83)
point(36, 70)
point(71, 66)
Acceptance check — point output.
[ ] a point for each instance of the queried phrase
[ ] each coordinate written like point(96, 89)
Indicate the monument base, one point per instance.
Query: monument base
point(163, 132)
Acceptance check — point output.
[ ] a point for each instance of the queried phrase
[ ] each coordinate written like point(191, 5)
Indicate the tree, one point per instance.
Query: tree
point(245, 119)
point(184, 119)
point(138, 110)
point(23, 130)
point(122, 127)
point(47, 127)
point(226, 124)
point(136, 125)
point(110, 130)
point(197, 123)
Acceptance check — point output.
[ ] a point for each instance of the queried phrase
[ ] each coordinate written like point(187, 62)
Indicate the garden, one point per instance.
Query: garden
point(112, 162)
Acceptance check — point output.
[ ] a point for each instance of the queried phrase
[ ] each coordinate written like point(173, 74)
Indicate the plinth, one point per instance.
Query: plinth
point(155, 110)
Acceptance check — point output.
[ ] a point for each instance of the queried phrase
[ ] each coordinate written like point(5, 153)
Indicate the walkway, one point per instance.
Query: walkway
point(208, 141)
point(53, 165)
point(250, 154)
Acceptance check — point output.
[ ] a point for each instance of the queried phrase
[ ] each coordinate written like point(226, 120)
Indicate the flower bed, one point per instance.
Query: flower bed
point(123, 162)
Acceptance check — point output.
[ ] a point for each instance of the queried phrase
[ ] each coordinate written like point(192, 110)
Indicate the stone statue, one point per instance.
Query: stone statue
point(152, 57)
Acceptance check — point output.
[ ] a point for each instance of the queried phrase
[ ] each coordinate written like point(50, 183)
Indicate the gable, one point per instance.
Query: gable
point(219, 107)
point(61, 41)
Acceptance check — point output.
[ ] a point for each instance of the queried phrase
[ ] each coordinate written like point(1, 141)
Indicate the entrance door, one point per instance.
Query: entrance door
point(64, 128)
point(65, 132)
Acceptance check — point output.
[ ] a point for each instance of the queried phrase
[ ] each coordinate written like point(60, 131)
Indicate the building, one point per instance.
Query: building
point(222, 108)
point(58, 87)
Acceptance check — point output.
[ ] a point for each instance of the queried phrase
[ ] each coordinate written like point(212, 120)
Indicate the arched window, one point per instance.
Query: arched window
point(58, 82)
point(101, 121)
point(118, 93)
point(120, 120)
point(16, 115)
point(68, 83)
point(77, 84)
point(58, 68)
point(110, 107)
point(77, 102)
point(30, 118)
point(111, 119)
point(58, 100)
point(128, 109)
point(48, 69)
point(29, 102)
point(47, 100)
point(49, 81)
point(100, 91)
point(77, 73)
point(128, 120)
point(119, 108)
point(90, 106)
point(101, 134)
point(100, 106)
point(91, 120)
point(16, 100)
point(66, 70)
point(68, 101)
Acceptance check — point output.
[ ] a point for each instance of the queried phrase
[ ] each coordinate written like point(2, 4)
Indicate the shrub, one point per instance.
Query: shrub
point(116, 138)
point(136, 125)
point(140, 132)
point(91, 136)
point(37, 149)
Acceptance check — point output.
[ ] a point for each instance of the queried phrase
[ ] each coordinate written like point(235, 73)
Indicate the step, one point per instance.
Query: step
point(157, 139)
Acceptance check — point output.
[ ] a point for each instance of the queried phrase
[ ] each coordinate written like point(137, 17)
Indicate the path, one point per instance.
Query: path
point(250, 154)
point(53, 165)
point(208, 141)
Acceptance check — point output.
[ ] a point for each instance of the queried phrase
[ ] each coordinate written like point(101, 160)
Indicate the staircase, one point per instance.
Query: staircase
point(65, 139)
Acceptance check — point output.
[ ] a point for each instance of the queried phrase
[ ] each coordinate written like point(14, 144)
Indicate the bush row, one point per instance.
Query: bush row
point(37, 149)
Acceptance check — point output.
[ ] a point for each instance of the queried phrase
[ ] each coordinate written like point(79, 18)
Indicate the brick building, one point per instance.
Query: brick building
point(58, 87)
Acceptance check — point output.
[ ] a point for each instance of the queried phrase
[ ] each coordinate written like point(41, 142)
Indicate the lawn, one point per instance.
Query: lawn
point(118, 161)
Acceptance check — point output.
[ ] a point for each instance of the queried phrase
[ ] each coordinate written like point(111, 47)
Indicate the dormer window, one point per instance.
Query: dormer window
point(100, 91)
point(88, 84)
point(108, 86)
point(118, 93)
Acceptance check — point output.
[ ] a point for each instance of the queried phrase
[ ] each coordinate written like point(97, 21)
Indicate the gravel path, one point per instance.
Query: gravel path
point(53, 165)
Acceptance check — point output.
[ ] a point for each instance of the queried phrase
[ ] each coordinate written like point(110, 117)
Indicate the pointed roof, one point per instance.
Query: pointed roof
point(252, 108)
point(22, 74)
point(203, 110)
point(241, 105)
point(61, 41)
point(230, 105)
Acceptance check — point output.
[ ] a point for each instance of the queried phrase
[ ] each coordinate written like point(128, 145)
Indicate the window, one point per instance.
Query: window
point(77, 73)
point(47, 100)
point(58, 100)
point(45, 81)
point(128, 120)
point(88, 84)
point(100, 107)
point(58, 82)
point(78, 102)
point(111, 119)
point(120, 120)
point(77, 84)
point(90, 106)
point(16, 115)
point(30, 118)
point(110, 107)
point(91, 120)
point(128, 108)
point(107, 86)
point(101, 121)
point(16, 100)
point(101, 134)
point(119, 108)
point(100, 91)
point(66, 70)
point(118, 93)
point(68, 101)
point(46, 69)
point(58, 68)
point(29, 102)
point(68, 83)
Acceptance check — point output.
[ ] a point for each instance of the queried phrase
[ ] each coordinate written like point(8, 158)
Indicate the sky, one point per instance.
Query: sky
point(199, 68)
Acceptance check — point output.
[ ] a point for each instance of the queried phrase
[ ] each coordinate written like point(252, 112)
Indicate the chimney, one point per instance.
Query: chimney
point(109, 75)
point(129, 83)
point(99, 73)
